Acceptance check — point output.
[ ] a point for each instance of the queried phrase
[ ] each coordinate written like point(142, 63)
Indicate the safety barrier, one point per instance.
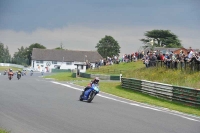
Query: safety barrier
point(185, 95)
point(101, 76)
point(114, 77)
point(12, 65)
point(60, 70)
point(85, 75)
point(73, 75)
point(157, 89)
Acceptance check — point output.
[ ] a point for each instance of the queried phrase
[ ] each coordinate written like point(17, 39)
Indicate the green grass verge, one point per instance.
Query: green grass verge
point(168, 76)
point(157, 74)
point(116, 69)
point(65, 76)
point(115, 88)
point(4, 131)
point(3, 68)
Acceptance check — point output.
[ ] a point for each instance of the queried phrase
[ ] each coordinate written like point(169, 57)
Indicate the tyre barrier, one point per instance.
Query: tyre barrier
point(186, 95)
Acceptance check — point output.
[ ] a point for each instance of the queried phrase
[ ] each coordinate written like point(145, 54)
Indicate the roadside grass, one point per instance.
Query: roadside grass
point(4, 131)
point(168, 76)
point(157, 74)
point(116, 69)
point(114, 87)
point(3, 68)
point(65, 76)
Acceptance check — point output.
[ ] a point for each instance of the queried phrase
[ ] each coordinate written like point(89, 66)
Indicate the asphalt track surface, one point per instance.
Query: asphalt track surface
point(36, 105)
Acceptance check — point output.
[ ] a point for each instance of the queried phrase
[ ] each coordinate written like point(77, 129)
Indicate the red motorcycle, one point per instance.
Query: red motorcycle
point(10, 75)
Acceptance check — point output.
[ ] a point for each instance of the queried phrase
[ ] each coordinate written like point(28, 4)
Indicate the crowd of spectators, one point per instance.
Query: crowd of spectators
point(116, 60)
point(150, 58)
point(170, 59)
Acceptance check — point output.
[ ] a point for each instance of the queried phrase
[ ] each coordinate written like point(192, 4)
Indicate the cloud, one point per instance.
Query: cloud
point(79, 37)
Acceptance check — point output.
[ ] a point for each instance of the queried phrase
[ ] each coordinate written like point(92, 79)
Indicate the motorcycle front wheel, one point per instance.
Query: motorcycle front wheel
point(81, 97)
point(91, 96)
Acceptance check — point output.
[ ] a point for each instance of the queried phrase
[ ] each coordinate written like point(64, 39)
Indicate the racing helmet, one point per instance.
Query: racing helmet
point(96, 80)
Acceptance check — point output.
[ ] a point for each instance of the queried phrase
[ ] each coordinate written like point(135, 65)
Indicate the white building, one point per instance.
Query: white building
point(48, 59)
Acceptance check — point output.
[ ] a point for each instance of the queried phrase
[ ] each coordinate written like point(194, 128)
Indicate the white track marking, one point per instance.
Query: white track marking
point(138, 105)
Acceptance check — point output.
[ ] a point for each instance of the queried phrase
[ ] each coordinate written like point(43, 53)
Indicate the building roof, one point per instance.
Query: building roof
point(65, 55)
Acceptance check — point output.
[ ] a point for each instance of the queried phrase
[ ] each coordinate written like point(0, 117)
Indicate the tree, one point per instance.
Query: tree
point(23, 55)
point(20, 57)
point(4, 54)
point(108, 46)
point(61, 46)
point(161, 38)
point(30, 49)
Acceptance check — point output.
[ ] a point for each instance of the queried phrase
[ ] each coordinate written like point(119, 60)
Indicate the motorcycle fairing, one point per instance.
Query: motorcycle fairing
point(87, 93)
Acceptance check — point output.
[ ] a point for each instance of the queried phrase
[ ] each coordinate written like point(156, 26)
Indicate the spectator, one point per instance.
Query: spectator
point(160, 56)
point(167, 59)
point(152, 59)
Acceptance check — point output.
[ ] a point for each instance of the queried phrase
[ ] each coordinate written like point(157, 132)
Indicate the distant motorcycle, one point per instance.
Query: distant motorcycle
point(31, 74)
point(18, 75)
point(10, 75)
point(89, 94)
point(4, 73)
point(42, 73)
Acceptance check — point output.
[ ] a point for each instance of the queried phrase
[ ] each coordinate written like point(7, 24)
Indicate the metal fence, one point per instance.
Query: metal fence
point(188, 96)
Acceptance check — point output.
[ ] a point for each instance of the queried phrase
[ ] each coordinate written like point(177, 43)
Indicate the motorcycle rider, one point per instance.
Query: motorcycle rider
point(19, 72)
point(95, 81)
point(5, 72)
point(10, 70)
point(31, 72)
point(42, 72)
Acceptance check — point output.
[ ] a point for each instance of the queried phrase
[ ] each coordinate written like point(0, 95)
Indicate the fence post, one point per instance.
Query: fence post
point(120, 77)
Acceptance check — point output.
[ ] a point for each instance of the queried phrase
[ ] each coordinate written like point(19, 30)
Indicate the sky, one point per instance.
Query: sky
point(80, 24)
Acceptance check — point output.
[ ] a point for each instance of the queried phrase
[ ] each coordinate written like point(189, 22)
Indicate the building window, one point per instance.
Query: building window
point(68, 63)
point(54, 62)
point(39, 61)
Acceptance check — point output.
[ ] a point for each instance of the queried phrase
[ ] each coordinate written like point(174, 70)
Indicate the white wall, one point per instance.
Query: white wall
point(63, 65)
point(13, 65)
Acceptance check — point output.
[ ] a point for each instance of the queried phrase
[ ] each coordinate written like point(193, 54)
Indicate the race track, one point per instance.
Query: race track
point(36, 105)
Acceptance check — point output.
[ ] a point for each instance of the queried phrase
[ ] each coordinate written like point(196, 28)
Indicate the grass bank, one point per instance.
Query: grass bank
point(4, 131)
point(65, 76)
point(116, 89)
point(3, 68)
point(117, 69)
point(157, 74)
